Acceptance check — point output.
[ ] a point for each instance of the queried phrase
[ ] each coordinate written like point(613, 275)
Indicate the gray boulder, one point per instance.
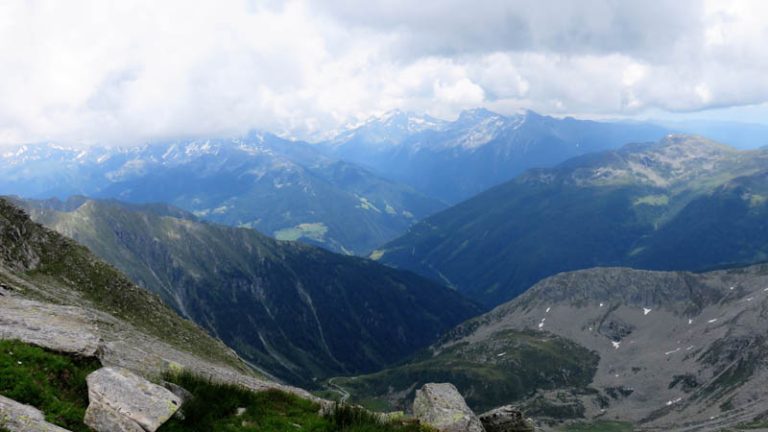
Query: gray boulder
point(506, 419)
point(442, 407)
point(121, 401)
point(16, 417)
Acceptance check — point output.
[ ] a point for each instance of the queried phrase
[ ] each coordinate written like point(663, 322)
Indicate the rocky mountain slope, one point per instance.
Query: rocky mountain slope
point(661, 350)
point(285, 189)
point(458, 159)
point(54, 293)
point(684, 203)
point(301, 313)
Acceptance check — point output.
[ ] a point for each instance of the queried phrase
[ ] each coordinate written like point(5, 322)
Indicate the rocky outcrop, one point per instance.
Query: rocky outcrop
point(59, 328)
point(121, 401)
point(89, 332)
point(442, 407)
point(16, 417)
point(506, 419)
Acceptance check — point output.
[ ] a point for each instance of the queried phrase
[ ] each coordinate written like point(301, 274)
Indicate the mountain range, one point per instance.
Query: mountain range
point(350, 194)
point(286, 189)
point(684, 203)
point(658, 351)
point(298, 312)
point(454, 160)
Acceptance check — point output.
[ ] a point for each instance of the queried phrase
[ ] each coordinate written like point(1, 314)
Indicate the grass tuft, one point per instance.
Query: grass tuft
point(52, 382)
point(215, 406)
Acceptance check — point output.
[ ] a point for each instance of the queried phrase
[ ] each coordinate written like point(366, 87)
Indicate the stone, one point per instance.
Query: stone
point(506, 419)
point(121, 401)
point(442, 407)
point(16, 417)
point(58, 328)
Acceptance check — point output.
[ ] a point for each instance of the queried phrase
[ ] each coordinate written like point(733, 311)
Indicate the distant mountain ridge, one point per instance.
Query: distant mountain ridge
point(453, 160)
point(289, 190)
point(683, 203)
point(298, 312)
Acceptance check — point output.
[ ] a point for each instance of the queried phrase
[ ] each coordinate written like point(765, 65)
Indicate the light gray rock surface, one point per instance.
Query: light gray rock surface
point(59, 328)
point(442, 407)
point(17, 417)
point(506, 419)
point(120, 400)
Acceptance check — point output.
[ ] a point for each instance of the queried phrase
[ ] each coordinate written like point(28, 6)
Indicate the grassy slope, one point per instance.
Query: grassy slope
point(55, 383)
point(51, 382)
point(507, 367)
point(214, 408)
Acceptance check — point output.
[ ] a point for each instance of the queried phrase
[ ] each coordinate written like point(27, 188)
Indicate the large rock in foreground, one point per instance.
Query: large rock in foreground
point(442, 407)
point(506, 419)
point(121, 401)
point(16, 417)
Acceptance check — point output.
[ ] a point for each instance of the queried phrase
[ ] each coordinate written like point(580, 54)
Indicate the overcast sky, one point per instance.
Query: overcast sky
point(126, 71)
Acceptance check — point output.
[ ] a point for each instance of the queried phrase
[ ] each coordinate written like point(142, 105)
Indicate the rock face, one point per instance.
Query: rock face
point(59, 328)
point(121, 401)
point(16, 417)
point(506, 419)
point(442, 407)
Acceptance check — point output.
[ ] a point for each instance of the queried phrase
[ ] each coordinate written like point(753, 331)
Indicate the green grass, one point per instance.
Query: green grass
point(315, 231)
point(214, 407)
point(762, 424)
point(507, 366)
point(52, 382)
point(599, 426)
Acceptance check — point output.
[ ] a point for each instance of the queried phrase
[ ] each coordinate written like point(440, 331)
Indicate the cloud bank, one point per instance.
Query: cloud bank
point(117, 72)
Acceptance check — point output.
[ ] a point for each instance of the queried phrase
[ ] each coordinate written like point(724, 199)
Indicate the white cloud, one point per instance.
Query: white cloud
point(113, 72)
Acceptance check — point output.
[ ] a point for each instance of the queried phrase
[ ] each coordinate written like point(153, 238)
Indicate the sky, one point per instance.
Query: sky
point(125, 71)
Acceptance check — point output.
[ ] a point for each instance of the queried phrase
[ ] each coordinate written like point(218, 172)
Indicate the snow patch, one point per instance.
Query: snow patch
point(672, 352)
point(548, 309)
point(615, 344)
point(646, 311)
point(713, 320)
point(674, 401)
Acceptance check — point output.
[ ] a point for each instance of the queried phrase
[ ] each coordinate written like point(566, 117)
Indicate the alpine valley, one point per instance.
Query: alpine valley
point(297, 312)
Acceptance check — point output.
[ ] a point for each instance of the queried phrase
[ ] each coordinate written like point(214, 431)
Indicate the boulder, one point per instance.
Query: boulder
point(506, 419)
point(16, 417)
point(121, 401)
point(442, 407)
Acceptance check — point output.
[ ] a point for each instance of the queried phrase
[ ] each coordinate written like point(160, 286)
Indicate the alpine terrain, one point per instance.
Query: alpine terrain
point(298, 312)
point(685, 203)
point(657, 351)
